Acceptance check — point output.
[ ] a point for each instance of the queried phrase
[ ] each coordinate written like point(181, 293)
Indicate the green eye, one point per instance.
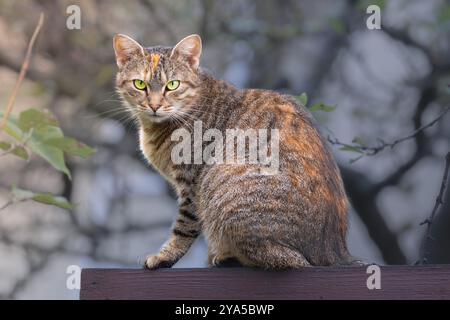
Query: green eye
point(139, 84)
point(172, 85)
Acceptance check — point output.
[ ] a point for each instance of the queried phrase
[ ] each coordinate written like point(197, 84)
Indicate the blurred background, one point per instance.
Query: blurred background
point(385, 84)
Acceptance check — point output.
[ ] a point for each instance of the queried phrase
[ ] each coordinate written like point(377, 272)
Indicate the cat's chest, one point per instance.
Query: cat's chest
point(157, 150)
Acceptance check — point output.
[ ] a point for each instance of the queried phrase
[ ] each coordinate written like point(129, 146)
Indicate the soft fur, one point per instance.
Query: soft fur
point(292, 219)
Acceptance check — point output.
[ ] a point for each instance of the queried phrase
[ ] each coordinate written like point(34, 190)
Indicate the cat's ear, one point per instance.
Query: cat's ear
point(190, 49)
point(125, 49)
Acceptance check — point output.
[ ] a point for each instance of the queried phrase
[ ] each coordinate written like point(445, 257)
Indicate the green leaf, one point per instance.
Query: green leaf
point(351, 149)
point(303, 98)
point(47, 198)
point(21, 194)
point(358, 141)
point(51, 199)
point(322, 107)
point(71, 146)
point(35, 143)
point(36, 119)
point(54, 155)
point(20, 151)
point(11, 128)
point(40, 131)
point(5, 145)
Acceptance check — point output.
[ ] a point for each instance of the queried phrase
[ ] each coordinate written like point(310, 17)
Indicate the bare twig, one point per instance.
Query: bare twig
point(437, 204)
point(373, 150)
point(23, 71)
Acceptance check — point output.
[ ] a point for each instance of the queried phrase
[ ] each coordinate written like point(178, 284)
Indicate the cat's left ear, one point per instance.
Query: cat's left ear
point(126, 48)
point(190, 49)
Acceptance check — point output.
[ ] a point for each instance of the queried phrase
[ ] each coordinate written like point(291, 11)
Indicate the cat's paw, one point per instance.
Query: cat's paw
point(359, 263)
point(155, 262)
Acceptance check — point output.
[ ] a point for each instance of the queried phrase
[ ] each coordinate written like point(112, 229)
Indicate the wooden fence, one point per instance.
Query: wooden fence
point(397, 282)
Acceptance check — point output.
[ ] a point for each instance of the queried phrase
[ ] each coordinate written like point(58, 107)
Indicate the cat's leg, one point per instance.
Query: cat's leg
point(185, 230)
point(352, 261)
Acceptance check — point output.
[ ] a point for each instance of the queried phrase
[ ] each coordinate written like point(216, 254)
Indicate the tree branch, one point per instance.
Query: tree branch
point(373, 150)
point(23, 72)
point(428, 94)
point(429, 221)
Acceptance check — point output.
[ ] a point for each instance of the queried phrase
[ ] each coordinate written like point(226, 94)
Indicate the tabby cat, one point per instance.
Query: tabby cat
point(294, 218)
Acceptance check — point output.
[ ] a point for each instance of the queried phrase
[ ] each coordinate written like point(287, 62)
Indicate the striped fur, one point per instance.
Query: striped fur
point(292, 219)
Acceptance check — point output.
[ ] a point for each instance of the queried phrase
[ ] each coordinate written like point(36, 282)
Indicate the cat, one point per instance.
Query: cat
point(290, 219)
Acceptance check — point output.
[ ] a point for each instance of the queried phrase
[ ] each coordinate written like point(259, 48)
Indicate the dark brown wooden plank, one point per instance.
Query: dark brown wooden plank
point(397, 282)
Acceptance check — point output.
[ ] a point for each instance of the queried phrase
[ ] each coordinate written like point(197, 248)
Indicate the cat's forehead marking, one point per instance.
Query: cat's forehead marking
point(151, 66)
point(153, 60)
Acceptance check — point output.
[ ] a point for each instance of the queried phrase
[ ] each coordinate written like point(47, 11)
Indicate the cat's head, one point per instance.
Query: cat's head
point(158, 83)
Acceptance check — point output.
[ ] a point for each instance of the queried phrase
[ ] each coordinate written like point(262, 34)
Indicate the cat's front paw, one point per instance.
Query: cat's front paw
point(155, 262)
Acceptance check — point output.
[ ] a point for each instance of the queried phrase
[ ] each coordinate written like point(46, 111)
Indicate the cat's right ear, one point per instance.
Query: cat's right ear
point(126, 48)
point(190, 49)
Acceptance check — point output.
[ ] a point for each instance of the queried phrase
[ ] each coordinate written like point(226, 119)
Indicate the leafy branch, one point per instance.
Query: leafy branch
point(303, 100)
point(38, 132)
point(23, 72)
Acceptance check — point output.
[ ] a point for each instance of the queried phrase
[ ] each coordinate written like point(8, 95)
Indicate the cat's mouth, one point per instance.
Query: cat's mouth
point(152, 115)
point(155, 117)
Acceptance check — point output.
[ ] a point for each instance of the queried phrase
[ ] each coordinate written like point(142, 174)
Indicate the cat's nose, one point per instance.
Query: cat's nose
point(154, 107)
point(154, 101)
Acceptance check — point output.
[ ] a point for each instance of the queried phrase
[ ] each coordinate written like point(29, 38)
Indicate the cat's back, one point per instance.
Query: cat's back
point(297, 203)
point(266, 97)
point(304, 156)
point(259, 108)
point(303, 150)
